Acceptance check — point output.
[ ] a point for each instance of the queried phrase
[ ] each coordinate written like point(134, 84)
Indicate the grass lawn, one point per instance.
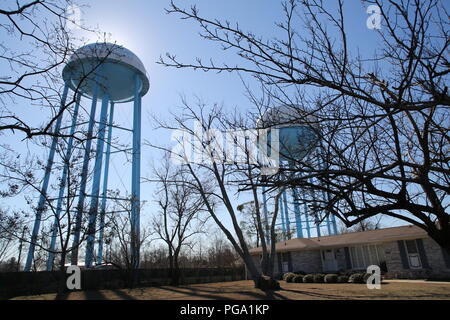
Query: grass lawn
point(244, 290)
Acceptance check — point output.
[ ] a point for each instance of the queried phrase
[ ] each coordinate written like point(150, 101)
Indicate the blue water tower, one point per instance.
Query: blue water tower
point(299, 135)
point(112, 74)
point(297, 130)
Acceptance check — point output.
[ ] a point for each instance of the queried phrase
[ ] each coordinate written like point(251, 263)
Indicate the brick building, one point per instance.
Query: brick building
point(401, 252)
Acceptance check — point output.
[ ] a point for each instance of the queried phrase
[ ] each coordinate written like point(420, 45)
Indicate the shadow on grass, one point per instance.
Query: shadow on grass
point(94, 295)
point(318, 295)
point(123, 295)
point(242, 292)
point(85, 295)
point(367, 297)
point(195, 292)
point(62, 296)
point(221, 295)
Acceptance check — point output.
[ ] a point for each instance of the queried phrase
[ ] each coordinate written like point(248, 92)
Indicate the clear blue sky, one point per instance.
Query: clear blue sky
point(143, 27)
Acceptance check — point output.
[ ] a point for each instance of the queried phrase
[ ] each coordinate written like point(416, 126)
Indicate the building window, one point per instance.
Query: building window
point(413, 254)
point(329, 262)
point(285, 261)
point(328, 254)
point(363, 256)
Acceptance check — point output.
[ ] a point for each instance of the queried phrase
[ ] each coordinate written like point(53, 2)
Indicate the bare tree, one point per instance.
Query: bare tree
point(382, 120)
point(22, 179)
point(181, 213)
point(19, 176)
point(38, 42)
point(364, 225)
point(8, 241)
point(249, 223)
point(154, 257)
point(117, 234)
point(216, 178)
point(220, 254)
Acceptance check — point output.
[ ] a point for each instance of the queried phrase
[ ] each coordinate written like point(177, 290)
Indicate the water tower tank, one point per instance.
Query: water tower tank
point(115, 66)
point(298, 130)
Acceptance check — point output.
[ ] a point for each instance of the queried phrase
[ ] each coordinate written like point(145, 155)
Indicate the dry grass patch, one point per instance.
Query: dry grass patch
point(245, 290)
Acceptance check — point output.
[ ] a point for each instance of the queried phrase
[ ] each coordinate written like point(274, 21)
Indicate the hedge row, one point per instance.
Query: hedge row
point(292, 277)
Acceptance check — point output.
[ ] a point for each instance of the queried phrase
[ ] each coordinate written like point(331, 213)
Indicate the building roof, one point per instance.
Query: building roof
point(348, 239)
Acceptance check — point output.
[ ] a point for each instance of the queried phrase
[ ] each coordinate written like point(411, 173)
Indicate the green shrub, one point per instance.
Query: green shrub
point(290, 277)
point(331, 278)
point(356, 278)
point(298, 278)
point(342, 279)
point(286, 275)
point(366, 277)
point(318, 278)
point(309, 278)
point(347, 273)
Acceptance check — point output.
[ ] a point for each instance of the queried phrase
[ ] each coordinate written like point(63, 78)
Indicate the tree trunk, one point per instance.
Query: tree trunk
point(444, 243)
point(176, 272)
point(62, 287)
point(261, 281)
point(63, 260)
point(171, 267)
point(267, 283)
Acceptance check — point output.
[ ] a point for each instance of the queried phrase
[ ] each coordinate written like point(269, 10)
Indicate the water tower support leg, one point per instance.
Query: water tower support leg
point(318, 227)
point(286, 214)
point(43, 194)
point(328, 221)
point(105, 187)
point(281, 213)
point(62, 186)
point(298, 218)
point(308, 227)
point(135, 179)
point(96, 183)
point(333, 221)
point(328, 226)
point(266, 217)
point(321, 163)
point(84, 174)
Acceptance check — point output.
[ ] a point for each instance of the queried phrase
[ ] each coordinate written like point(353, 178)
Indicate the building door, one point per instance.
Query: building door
point(329, 260)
